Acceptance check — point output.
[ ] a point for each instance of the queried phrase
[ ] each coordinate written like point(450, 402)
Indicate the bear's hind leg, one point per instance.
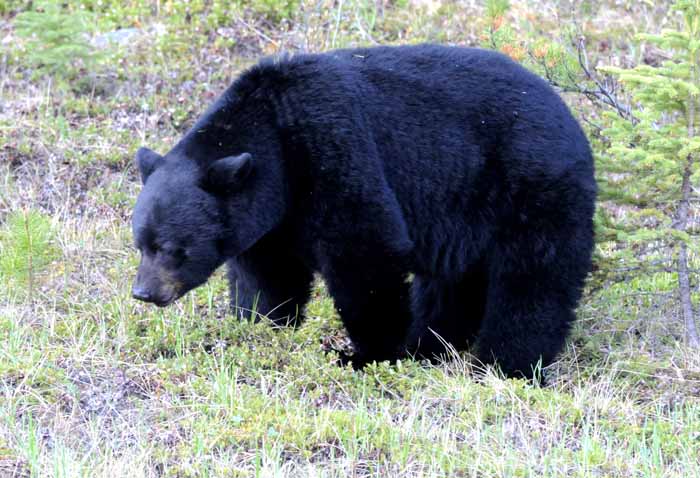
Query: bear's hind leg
point(530, 305)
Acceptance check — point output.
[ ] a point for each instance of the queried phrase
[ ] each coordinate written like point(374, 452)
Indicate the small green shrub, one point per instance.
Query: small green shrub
point(12, 6)
point(56, 39)
point(654, 159)
point(275, 10)
point(26, 248)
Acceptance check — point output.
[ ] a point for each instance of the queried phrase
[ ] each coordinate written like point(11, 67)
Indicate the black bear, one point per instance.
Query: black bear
point(443, 194)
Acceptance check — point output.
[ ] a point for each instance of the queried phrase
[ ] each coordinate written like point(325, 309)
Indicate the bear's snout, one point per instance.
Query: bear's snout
point(141, 293)
point(155, 284)
point(161, 296)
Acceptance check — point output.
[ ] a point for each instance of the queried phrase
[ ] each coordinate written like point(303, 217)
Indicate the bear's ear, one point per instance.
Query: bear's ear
point(147, 161)
point(228, 174)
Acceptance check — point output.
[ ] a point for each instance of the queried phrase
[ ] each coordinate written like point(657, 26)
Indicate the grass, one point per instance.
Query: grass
point(95, 384)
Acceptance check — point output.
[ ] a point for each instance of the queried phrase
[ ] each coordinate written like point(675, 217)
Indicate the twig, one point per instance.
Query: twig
point(30, 257)
point(337, 23)
point(257, 31)
point(604, 93)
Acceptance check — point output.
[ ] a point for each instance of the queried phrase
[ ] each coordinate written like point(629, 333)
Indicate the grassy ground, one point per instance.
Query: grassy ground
point(95, 384)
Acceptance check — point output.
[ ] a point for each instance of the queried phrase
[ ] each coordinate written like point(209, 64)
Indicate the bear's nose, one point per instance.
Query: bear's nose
point(141, 293)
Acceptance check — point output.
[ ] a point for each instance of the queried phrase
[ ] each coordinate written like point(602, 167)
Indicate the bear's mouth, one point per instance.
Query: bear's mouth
point(163, 303)
point(170, 291)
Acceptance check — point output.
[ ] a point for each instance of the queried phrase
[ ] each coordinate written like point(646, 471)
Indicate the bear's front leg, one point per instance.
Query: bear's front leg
point(372, 298)
point(269, 280)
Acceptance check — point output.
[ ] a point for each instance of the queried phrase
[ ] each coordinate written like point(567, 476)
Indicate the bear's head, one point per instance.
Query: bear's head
point(189, 219)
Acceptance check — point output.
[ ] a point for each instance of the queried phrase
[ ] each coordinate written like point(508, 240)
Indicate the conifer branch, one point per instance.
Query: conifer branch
point(683, 279)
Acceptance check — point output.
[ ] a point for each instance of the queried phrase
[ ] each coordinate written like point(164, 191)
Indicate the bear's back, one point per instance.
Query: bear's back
point(479, 97)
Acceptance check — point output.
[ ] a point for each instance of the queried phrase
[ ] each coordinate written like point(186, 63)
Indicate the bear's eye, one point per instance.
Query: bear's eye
point(177, 253)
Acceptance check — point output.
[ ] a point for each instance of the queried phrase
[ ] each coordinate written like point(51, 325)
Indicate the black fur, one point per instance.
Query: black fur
point(454, 164)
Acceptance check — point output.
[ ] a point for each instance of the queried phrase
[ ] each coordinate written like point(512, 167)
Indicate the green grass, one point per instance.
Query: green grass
point(95, 384)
